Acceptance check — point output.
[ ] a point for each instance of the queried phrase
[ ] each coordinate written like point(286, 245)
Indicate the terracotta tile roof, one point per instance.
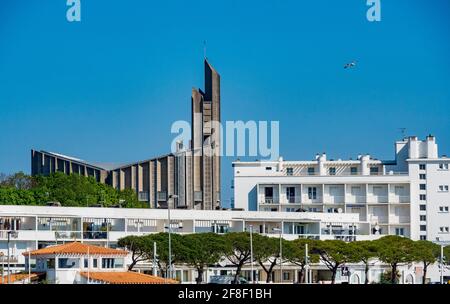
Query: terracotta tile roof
point(15, 277)
point(76, 248)
point(129, 277)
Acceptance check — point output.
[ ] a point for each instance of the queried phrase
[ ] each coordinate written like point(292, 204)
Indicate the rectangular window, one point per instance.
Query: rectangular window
point(312, 193)
point(268, 192)
point(443, 209)
point(423, 227)
point(374, 171)
point(422, 167)
point(444, 229)
point(423, 197)
point(423, 237)
point(107, 263)
point(443, 188)
point(290, 194)
point(423, 207)
point(86, 263)
point(66, 263)
point(286, 276)
point(332, 171)
point(399, 231)
point(423, 187)
point(423, 218)
point(289, 171)
point(353, 170)
point(311, 171)
point(268, 168)
point(443, 166)
point(94, 263)
point(422, 176)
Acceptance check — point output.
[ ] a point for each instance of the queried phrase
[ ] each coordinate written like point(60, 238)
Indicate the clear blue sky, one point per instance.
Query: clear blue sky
point(108, 88)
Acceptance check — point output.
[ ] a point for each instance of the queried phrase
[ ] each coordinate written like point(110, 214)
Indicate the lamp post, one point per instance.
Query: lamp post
point(171, 197)
point(281, 253)
point(442, 259)
point(251, 254)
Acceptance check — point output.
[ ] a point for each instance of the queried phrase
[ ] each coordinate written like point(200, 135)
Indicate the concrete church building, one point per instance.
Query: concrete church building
point(191, 176)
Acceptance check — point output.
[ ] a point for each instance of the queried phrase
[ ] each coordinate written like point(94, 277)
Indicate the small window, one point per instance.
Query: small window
point(332, 171)
point(289, 171)
point(423, 237)
point(86, 263)
point(286, 276)
point(268, 168)
point(423, 197)
point(374, 170)
point(443, 209)
point(95, 263)
point(444, 229)
point(443, 188)
point(353, 170)
point(399, 231)
point(423, 218)
point(311, 171)
point(422, 167)
point(422, 176)
point(423, 227)
point(423, 187)
point(66, 263)
point(423, 207)
point(443, 166)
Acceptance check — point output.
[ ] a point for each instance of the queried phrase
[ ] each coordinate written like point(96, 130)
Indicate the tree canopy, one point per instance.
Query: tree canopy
point(69, 190)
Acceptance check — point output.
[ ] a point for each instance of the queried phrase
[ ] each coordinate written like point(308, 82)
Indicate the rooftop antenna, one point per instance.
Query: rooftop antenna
point(204, 49)
point(403, 130)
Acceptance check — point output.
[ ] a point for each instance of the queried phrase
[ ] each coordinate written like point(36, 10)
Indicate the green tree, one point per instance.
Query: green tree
point(294, 252)
point(427, 253)
point(334, 254)
point(395, 250)
point(364, 251)
point(237, 250)
point(200, 250)
point(139, 246)
point(266, 250)
point(162, 249)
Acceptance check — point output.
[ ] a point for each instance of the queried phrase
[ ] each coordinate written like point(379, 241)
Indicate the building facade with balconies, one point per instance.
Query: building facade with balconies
point(407, 196)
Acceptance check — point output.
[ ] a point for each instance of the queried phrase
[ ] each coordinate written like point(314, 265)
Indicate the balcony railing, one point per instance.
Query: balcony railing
point(68, 235)
point(269, 201)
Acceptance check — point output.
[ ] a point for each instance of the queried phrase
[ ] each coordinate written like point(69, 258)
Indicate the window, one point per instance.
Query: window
point(66, 263)
point(107, 263)
point(289, 171)
point(423, 237)
point(443, 188)
point(310, 171)
point(423, 187)
point(423, 197)
point(312, 192)
point(95, 263)
point(423, 218)
point(50, 263)
point(86, 263)
point(422, 167)
point(423, 207)
point(268, 192)
point(374, 171)
point(443, 229)
point(290, 209)
point(313, 209)
point(399, 231)
point(353, 170)
point(422, 176)
point(332, 171)
point(286, 276)
point(443, 209)
point(423, 227)
point(268, 168)
point(443, 166)
point(290, 194)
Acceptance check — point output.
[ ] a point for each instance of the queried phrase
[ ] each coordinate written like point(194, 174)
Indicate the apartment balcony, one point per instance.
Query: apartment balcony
point(291, 200)
point(355, 199)
point(399, 199)
point(377, 219)
point(332, 199)
point(377, 199)
point(394, 219)
point(306, 199)
point(269, 201)
point(68, 235)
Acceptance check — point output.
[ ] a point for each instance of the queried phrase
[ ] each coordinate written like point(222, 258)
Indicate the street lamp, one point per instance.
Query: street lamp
point(442, 258)
point(171, 197)
point(251, 253)
point(281, 252)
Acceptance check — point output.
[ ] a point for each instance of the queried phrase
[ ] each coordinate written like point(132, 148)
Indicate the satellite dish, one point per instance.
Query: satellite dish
point(339, 210)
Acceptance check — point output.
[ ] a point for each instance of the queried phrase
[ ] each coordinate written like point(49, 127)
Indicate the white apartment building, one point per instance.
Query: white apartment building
point(406, 196)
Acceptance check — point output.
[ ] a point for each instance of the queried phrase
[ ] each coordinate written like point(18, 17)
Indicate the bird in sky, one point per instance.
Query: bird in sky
point(350, 65)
